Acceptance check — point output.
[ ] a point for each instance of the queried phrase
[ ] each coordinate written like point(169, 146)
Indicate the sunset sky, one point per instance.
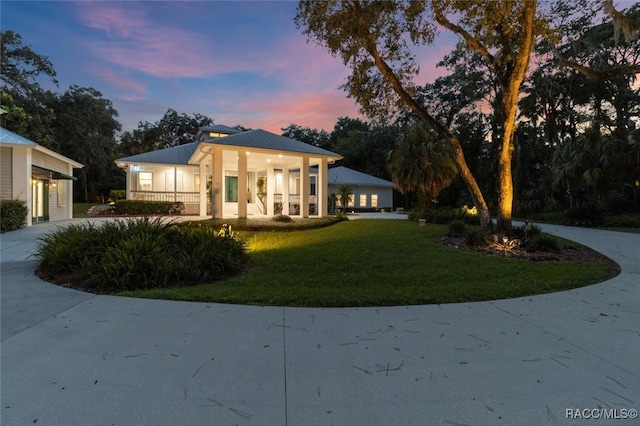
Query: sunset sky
point(237, 62)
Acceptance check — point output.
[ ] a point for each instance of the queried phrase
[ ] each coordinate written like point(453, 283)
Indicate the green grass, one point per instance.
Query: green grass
point(376, 263)
point(80, 209)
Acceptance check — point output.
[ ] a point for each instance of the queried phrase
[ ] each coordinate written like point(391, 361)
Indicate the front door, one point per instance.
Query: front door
point(39, 200)
point(231, 189)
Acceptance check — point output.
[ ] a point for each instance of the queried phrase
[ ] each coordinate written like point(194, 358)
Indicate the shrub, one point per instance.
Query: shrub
point(282, 218)
point(457, 228)
point(443, 216)
point(140, 253)
point(623, 221)
point(117, 194)
point(584, 215)
point(542, 242)
point(474, 237)
point(139, 207)
point(13, 214)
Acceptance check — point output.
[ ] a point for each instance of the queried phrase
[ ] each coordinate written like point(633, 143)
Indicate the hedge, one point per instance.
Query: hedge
point(139, 207)
point(13, 214)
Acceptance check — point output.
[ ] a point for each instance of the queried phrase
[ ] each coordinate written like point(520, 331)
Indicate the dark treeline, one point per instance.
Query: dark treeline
point(576, 145)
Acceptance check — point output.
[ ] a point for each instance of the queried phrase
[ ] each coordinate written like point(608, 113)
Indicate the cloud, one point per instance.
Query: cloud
point(131, 90)
point(319, 110)
point(133, 40)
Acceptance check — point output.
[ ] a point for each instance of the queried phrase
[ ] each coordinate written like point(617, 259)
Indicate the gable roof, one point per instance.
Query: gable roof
point(262, 139)
point(175, 155)
point(8, 137)
point(344, 175)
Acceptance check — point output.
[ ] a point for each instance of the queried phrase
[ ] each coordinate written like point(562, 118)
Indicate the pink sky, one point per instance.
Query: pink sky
point(236, 62)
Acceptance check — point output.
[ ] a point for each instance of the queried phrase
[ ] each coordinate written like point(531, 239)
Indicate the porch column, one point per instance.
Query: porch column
point(68, 191)
point(285, 191)
point(271, 189)
point(22, 186)
point(304, 187)
point(203, 188)
point(322, 187)
point(217, 180)
point(242, 184)
point(127, 181)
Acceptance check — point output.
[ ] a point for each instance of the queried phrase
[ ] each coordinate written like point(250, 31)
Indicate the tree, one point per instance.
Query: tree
point(344, 195)
point(307, 135)
point(597, 50)
point(172, 129)
point(85, 127)
point(422, 163)
point(373, 39)
point(24, 100)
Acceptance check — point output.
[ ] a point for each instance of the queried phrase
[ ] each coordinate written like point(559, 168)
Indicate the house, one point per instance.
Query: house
point(40, 177)
point(369, 192)
point(230, 173)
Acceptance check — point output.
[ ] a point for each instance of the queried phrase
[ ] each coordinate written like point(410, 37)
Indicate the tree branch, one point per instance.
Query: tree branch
point(588, 72)
point(471, 41)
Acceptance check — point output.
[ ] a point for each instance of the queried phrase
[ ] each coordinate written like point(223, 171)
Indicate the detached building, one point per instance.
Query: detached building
point(40, 177)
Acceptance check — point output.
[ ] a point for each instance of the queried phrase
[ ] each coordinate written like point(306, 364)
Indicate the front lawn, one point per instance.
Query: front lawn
point(378, 262)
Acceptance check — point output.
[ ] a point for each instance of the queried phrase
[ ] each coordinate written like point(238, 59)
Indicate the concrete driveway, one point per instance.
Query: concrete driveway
point(72, 358)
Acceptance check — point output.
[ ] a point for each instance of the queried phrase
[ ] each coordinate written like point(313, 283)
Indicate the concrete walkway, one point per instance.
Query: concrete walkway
point(72, 358)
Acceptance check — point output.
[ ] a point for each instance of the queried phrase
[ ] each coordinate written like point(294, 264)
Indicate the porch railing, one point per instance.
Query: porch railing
point(185, 197)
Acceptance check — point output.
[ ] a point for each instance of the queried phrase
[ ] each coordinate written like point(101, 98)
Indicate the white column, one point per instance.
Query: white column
point(217, 176)
point(203, 188)
point(22, 186)
point(68, 191)
point(271, 189)
point(322, 188)
point(285, 191)
point(304, 187)
point(242, 184)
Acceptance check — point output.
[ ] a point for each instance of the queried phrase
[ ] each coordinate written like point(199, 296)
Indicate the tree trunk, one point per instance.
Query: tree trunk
point(427, 119)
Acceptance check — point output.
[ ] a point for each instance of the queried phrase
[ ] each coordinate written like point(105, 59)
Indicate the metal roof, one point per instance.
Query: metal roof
point(175, 155)
point(266, 140)
point(220, 128)
point(8, 137)
point(344, 175)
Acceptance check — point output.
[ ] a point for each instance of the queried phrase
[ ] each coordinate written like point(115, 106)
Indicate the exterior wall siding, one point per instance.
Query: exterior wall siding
point(385, 196)
point(6, 173)
point(41, 159)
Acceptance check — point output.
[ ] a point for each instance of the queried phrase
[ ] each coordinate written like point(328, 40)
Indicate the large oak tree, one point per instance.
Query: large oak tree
point(374, 39)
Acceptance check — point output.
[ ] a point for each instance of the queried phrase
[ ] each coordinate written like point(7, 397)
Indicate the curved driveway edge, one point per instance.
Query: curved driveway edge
point(72, 358)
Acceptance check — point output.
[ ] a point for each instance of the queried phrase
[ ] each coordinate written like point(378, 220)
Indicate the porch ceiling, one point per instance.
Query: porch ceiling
point(257, 159)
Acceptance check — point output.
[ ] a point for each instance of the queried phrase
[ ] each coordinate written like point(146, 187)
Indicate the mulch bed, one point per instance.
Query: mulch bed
point(566, 253)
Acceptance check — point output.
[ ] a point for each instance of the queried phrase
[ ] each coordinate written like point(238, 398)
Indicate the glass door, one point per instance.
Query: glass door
point(39, 200)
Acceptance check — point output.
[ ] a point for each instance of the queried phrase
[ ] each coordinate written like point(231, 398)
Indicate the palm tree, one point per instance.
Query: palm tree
point(421, 163)
point(345, 194)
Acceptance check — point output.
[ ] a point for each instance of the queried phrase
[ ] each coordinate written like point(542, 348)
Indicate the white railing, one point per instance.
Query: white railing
point(185, 197)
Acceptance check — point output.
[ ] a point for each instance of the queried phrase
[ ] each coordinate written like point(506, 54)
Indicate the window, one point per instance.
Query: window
point(363, 200)
point(216, 135)
point(62, 193)
point(145, 181)
point(312, 190)
point(170, 184)
point(196, 182)
point(374, 200)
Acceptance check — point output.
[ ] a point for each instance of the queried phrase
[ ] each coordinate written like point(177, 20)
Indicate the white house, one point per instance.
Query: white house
point(40, 177)
point(230, 173)
point(369, 192)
